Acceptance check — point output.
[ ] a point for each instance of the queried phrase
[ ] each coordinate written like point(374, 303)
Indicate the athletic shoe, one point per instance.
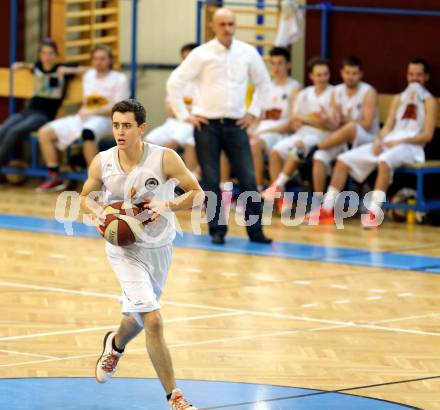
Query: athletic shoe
point(324, 217)
point(52, 184)
point(370, 221)
point(106, 364)
point(178, 402)
point(271, 193)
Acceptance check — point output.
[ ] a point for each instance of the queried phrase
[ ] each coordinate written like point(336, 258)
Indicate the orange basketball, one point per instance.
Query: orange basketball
point(121, 227)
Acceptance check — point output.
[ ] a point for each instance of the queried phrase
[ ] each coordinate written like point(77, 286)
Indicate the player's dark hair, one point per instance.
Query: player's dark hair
point(48, 42)
point(280, 51)
point(188, 47)
point(134, 106)
point(313, 62)
point(352, 61)
point(423, 62)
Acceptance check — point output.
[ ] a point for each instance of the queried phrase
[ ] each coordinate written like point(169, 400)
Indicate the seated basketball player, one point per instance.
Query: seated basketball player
point(140, 172)
point(313, 119)
point(177, 134)
point(409, 126)
point(356, 109)
point(102, 87)
point(273, 124)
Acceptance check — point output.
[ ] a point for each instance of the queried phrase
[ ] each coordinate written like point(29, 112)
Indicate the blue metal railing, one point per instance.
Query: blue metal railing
point(326, 8)
point(12, 52)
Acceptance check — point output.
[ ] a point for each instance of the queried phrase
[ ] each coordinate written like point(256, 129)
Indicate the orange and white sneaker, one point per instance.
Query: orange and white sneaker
point(322, 216)
point(272, 193)
point(106, 364)
point(370, 221)
point(178, 402)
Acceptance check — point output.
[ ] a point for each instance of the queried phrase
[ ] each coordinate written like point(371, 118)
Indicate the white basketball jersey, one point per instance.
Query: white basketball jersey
point(147, 180)
point(410, 115)
point(352, 106)
point(309, 104)
point(276, 107)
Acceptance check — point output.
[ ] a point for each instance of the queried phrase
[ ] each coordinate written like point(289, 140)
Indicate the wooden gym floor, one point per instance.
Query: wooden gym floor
point(240, 317)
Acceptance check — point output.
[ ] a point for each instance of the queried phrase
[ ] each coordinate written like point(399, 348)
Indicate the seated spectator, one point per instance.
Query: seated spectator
point(409, 126)
point(313, 119)
point(102, 88)
point(176, 134)
point(273, 124)
point(358, 116)
point(50, 79)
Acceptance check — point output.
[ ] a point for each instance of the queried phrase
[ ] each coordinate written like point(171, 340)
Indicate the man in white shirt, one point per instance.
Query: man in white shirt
point(102, 88)
point(273, 123)
point(220, 70)
point(176, 134)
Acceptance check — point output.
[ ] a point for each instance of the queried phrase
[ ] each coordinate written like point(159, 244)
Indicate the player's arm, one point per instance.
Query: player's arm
point(93, 185)
point(174, 168)
point(431, 109)
point(391, 118)
point(369, 110)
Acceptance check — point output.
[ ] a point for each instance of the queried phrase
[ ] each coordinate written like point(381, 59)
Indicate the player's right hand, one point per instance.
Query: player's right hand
point(377, 147)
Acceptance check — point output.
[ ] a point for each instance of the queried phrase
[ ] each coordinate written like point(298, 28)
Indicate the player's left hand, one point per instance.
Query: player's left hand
point(246, 121)
point(157, 209)
point(391, 144)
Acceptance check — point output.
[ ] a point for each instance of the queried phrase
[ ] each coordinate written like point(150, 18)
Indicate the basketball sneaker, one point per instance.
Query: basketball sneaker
point(271, 193)
point(322, 216)
point(370, 221)
point(178, 402)
point(52, 184)
point(106, 364)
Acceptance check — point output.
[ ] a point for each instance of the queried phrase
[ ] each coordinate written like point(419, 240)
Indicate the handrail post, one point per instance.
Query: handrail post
point(326, 9)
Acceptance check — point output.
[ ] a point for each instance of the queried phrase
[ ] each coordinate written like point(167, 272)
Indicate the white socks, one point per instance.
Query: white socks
point(376, 200)
point(281, 180)
point(328, 202)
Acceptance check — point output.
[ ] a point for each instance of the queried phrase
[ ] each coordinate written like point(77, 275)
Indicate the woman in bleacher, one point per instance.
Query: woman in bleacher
point(49, 84)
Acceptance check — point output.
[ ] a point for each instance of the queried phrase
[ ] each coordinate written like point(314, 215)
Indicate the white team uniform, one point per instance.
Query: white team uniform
point(141, 268)
point(172, 129)
point(352, 107)
point(309, 104)
point(410, 120)
point(276, 111)
point(97, 92)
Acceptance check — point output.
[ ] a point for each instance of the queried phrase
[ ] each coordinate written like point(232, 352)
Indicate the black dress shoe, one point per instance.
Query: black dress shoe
point(259, 237)
point(218, 239)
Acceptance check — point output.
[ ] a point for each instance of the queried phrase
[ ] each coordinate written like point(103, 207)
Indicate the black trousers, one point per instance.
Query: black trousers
point(16, 127)
point(224, 135)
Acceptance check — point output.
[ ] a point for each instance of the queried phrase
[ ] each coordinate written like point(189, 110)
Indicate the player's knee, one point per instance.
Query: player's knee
point(87, 135)
point(383, 167)
point(153, 322)
point(45, 133)
point(274, 156)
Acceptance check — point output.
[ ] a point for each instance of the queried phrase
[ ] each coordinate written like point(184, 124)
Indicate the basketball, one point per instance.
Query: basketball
point(121, 227)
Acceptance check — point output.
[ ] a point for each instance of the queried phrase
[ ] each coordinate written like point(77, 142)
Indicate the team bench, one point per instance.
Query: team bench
point(22, 88)
point(430, 167)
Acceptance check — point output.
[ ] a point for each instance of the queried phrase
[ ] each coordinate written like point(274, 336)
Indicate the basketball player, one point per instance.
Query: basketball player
point(358, 117)
point(312, 120)
point(140, 172)
point(409, 126)
point(273, 124)
point(102, 88)
point(175, 134)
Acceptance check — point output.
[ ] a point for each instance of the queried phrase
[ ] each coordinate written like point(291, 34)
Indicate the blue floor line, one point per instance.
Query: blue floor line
point(290, 250)
point(147, 394)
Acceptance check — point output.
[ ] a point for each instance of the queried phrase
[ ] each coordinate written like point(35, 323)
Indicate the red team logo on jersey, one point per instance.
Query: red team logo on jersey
point(410, 112)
